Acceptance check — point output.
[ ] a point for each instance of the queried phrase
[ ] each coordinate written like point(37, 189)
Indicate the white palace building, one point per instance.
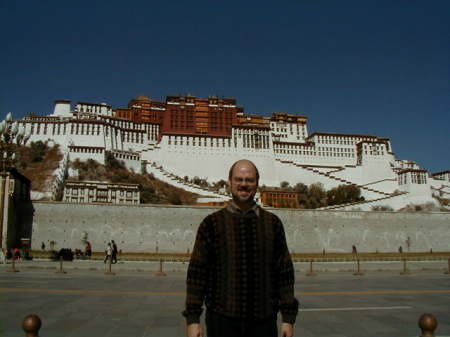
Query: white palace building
point(202, 137)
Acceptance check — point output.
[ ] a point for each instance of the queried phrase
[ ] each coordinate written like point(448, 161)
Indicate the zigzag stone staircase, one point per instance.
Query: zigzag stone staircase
point(442, 190)
point(360, 203)
point(384, 195)
point(163, 175)
point(330, 176)
point(347, 182)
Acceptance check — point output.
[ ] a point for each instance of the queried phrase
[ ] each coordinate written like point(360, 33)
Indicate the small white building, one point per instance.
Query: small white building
point(101, 192)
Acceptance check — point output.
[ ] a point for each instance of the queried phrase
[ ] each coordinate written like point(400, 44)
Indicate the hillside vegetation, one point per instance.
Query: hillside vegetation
point(315, 196)
point(152, 190)
point(38, 162)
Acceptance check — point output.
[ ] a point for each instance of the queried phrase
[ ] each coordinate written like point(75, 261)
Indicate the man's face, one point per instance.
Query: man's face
point(243, 183)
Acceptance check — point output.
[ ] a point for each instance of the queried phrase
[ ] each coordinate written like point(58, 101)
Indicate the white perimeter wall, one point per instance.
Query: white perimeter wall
point(173, 228)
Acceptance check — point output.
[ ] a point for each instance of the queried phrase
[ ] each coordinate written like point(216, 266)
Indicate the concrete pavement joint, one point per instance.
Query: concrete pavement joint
point(179, 293)
point(356, 308)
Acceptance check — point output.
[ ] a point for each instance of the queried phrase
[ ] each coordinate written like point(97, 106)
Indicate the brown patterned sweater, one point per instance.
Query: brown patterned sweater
point(241, 267)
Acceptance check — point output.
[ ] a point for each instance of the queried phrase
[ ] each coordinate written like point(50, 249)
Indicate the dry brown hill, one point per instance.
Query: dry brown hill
point(152, 190)
point(38, 162)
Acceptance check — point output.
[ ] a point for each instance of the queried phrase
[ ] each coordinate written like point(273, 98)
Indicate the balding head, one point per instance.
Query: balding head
point(243, 162)
point(243, 182)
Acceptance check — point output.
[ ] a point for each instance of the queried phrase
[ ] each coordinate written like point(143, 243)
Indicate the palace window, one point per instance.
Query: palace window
point(102, 193)
point(421, 178)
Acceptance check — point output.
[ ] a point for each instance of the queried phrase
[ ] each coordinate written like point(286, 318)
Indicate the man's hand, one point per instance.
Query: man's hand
point(194, 330)
point(287, 330)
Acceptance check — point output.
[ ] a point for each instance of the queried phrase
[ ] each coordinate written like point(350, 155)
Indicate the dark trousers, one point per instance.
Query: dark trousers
point(222, 326)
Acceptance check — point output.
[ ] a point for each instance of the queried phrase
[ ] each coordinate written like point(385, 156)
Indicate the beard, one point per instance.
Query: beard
point(243, 195)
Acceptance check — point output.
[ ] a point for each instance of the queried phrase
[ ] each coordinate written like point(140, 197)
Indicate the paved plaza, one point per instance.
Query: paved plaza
point(135, 302)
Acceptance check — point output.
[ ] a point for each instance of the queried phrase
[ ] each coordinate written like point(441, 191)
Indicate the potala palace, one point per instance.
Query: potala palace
point(202, 137)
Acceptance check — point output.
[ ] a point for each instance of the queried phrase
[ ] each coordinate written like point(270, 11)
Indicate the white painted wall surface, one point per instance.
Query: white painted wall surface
point(173, 228)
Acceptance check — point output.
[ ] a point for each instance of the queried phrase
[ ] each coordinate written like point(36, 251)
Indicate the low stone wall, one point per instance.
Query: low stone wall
point(154, 228)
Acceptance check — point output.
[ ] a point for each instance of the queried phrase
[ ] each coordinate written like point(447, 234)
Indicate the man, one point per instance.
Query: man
point(88, 252)
point(114, 252)
point(241, 267)
point(108, 253)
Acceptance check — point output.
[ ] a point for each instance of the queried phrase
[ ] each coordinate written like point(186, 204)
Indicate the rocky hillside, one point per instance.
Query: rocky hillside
point(38, 162)
point(152, 190)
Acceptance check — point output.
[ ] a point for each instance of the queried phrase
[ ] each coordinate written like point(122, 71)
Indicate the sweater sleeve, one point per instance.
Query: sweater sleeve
point(197, 276)
point(288, 304)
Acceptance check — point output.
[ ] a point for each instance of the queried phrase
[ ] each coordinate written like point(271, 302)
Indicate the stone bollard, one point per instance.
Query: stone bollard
point(405, 269)
point(428, 324)
point(161, 271)
point(31, 325)
point(358, 269)
point(109, 271)
point(13, 263)
point(61, 270)
point(311, 270)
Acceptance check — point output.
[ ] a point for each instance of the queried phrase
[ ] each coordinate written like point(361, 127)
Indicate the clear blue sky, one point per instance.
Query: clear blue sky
point(366, 67)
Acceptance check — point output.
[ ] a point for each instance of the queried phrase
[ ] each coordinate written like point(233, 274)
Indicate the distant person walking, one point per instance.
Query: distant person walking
point(114, 252)
point(17, 254)
point(42, 245)
point(408, 243)
point(2, 257)
point(108, 252)
point(88, 252)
